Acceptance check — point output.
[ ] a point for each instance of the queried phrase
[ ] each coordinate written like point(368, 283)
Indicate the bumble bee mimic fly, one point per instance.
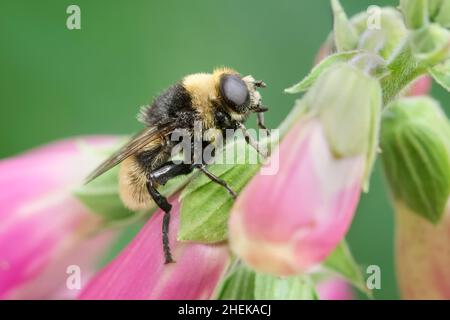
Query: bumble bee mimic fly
point(221, 100)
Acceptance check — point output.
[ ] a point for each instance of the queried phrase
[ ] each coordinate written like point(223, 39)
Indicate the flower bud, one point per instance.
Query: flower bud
point(439, 11)
point(348, 102)
point(345, 36)
point(415, 13)
point(289, 222)
point(380, 30)
point(416, 155)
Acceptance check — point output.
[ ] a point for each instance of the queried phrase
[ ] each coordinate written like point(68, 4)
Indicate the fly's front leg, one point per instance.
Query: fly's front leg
point(249, 139)
point(260, 122)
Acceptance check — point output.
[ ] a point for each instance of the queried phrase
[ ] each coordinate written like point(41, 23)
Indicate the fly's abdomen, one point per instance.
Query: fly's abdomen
point(133, 186)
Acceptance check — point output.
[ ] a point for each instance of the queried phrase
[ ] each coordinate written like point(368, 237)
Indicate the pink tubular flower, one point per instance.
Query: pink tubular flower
point(334, 289)
point(287, 223)
point(422, 255)
point(43, 228)
point(139, 271)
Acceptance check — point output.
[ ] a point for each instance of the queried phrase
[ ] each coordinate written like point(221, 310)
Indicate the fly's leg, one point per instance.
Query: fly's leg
point(260, 122)
point(162, 202)
point(159, 177)
point(163, 174)
point(217, 180)
point(249, 139)
point(170, 170)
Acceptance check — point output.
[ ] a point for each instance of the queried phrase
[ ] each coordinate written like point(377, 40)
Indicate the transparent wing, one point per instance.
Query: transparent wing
point(139, 141)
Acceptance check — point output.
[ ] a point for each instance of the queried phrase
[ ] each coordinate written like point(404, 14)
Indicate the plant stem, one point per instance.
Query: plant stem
point(403, 69)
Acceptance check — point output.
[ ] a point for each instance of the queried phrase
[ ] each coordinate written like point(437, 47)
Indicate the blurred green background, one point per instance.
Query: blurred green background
point(57, 83)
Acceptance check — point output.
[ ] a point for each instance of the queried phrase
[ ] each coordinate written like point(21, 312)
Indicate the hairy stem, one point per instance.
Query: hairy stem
point(403, 69)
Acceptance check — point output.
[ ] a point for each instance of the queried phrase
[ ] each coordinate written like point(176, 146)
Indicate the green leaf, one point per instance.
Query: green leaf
point(323, 66)
point(341, 262)
point(345, 35)
point(205, 205)
point(268, 287)
point(441, 74)
point(239, 284)
point(101, 196)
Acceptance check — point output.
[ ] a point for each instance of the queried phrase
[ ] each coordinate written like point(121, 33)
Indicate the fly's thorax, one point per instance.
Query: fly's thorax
point(202, 90)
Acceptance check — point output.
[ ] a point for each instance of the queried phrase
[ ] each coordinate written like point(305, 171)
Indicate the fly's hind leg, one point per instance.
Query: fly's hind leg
point(159, 177)
point(163, 174)
point(162, 202)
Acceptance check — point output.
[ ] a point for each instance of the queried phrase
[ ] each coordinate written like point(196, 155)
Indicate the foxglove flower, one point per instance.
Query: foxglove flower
point(416, 157)
point(422, 255)
point(289, 222)
point(139, 271)
point(44, 229)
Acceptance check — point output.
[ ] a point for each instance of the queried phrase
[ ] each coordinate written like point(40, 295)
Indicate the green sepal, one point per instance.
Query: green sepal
point(345, 36)
point(431, 45)
point(238, 284)
point(342, 263)
point(434, 6)
point(323, 66)
point(441, 74)
point(269, 287)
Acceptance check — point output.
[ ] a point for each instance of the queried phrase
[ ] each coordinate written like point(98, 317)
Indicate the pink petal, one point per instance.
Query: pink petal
point(139, 271)
point(288, 222)
point(42, 223)
point(422, 255)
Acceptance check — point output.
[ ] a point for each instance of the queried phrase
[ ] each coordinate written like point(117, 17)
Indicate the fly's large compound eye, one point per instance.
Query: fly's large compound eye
point(234, 91)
